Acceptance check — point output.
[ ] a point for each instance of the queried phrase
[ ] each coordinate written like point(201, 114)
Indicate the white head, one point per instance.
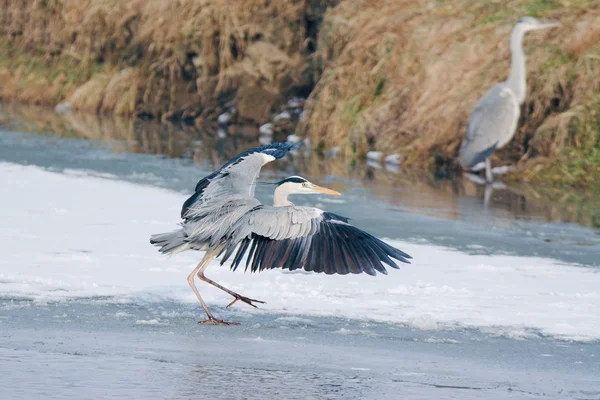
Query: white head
point(526, 24)
point(297, 185)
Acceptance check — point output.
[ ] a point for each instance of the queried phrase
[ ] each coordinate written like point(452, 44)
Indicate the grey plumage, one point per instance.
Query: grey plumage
point(223, 216)
point(170, 242)
point(293, 237)
point(219, 199)
point(237, 176)
point(492, 124)
point(493, 121)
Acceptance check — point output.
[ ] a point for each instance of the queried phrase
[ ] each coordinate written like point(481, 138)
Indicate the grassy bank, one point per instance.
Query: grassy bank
point(394, 76)
point(403, 76)
point(164, 59)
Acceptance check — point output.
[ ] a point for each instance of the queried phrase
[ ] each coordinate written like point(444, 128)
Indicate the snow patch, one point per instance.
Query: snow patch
point(394, 159)
point(266, 129)
point(151, 322)
point(122, 314)
point(295, 320)
point(282, 115)
point(365, 332)
point(224, 118)
point(443, 289)
point(374, 155)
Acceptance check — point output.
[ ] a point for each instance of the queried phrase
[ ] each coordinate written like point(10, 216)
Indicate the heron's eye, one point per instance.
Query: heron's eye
point(304, 185)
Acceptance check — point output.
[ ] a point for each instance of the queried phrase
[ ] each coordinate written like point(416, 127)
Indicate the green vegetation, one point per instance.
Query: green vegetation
point(538, 8)
point(31, 77)
point(379, 86)
point(488, 19)
point(352, 110)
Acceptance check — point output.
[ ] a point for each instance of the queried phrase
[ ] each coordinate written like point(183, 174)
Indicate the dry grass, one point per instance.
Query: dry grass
point(186, 53)
point(402, 76)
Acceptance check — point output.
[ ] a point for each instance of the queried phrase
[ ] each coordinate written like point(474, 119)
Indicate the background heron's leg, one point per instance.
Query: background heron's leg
point(237, 296)
point(202, 265)
point(488, 171)
point(487, 195)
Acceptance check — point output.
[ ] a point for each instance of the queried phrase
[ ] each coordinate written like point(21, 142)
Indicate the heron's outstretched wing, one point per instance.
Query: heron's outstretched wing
point(305, 237)
point(492, 124)
point(237, 177)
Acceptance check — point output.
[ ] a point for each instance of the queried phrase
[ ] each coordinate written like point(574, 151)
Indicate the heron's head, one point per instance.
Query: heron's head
point(299, 185)
point(532, 24)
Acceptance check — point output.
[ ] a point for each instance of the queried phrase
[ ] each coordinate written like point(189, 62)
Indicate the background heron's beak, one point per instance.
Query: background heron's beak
point(323, 190)
point(548, 24)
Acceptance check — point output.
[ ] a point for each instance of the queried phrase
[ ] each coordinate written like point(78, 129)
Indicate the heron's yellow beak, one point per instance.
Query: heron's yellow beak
point(323, 190)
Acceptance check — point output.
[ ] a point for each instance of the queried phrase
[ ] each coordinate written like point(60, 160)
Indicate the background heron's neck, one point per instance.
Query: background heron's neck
point(280, 199)
point(516, 79)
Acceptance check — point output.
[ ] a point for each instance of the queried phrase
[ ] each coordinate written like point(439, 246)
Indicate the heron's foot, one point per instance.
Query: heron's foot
point(212, 320)
point(246, 300)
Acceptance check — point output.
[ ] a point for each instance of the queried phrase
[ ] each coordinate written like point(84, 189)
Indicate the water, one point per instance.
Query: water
point(516, 221)
point(88, 309)
point(91, 348)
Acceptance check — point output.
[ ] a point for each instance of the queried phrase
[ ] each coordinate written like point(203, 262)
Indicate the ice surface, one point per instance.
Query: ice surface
point(89, 353)
point(70, 236)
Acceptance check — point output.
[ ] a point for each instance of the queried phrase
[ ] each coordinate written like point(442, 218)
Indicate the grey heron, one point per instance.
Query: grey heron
point(223, 215)
point(493, 121)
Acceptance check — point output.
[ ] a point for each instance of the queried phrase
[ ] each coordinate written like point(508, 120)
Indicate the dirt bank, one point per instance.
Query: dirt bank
point(403, 77)
point(163, 59)
point(397, 77)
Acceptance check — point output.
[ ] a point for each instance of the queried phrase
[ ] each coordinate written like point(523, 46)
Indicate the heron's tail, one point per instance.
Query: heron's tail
point(170, 242)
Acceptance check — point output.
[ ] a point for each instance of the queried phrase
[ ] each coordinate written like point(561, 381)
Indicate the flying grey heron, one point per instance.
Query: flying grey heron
point(223, 215)
point(494, 118)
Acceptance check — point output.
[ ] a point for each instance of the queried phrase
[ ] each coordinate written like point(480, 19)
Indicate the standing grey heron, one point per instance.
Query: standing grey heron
point(223, 215)
point(493, 121)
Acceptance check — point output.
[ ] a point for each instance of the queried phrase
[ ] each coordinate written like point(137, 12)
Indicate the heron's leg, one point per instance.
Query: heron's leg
point(202, 265)
point(488, 171)
point(487, 195)
point(237, 296)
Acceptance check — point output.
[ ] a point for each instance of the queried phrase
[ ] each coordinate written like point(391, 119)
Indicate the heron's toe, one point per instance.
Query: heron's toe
point(246, 300)
point(217, 322)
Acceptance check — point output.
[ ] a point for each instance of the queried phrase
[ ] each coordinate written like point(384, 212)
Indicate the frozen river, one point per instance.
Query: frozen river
point(95, 348)
point(495, 305)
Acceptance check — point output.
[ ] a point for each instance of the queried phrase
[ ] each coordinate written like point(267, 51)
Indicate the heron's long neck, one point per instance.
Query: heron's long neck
point(516, 79)
point(280, 199)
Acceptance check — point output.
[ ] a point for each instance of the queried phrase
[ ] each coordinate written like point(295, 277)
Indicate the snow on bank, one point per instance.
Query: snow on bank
point(66, 236)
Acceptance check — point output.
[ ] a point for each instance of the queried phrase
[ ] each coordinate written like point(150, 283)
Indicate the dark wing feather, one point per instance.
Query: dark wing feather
point(335, 247)
point(243, 248)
